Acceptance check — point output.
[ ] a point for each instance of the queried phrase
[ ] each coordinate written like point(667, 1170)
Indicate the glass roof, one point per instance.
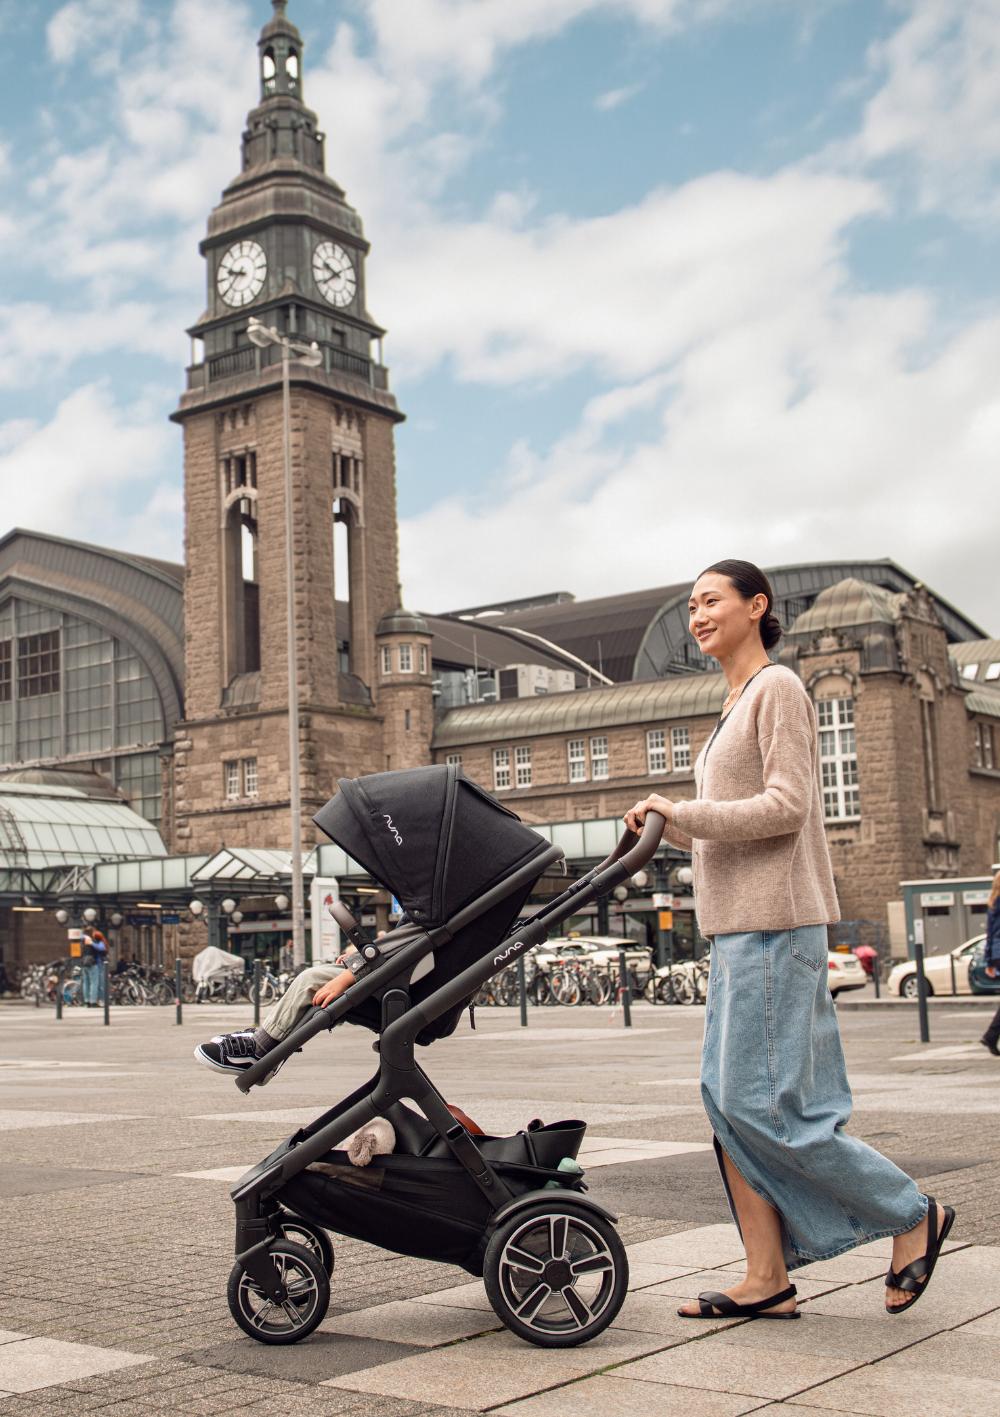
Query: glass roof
point(46, 826)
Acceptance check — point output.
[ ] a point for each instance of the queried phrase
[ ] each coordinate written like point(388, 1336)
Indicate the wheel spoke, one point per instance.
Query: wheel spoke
point(582, 1315)
point(260, 1317)
point(302, 1288)
point(594, 1264)
point(558, 1231)
point(292, 1314)
point(521, 1259)
point(529, 1306)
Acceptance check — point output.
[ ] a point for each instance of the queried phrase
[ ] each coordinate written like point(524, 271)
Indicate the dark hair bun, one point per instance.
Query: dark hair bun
point(770, 630)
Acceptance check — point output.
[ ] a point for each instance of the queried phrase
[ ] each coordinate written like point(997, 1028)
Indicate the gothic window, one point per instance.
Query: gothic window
point(599, 757)
point(522, 766)
point(838, 759)
point(656, 751)
point(680, 748)
point(576, 754)
point(501, 768)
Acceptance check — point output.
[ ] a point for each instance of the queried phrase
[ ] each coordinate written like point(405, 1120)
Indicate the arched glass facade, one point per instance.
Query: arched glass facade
point(71, 691)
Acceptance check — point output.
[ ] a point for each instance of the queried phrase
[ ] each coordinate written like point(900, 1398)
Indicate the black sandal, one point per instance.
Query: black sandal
point(916, 1276)
point(720, 1306)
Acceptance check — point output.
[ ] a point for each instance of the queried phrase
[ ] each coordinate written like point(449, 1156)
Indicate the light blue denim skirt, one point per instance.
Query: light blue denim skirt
point(775, 1088)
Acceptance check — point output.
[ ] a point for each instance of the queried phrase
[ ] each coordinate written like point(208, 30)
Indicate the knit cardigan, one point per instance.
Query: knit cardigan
point(755, 829)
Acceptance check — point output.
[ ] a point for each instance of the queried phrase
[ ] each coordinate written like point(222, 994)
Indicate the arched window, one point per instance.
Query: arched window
point(242, 588)
point(838, 759)
point(292, 71)
point(268, 72)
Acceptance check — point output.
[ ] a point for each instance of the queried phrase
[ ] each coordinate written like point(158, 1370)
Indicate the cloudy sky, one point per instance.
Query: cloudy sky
point(665, 280)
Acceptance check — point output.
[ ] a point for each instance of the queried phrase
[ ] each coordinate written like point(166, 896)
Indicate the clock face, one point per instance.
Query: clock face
point(241, 273)
point(334, 273)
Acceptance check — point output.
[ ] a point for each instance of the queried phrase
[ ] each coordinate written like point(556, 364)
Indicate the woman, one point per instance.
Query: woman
point(992, 1034)
point(772, 1076)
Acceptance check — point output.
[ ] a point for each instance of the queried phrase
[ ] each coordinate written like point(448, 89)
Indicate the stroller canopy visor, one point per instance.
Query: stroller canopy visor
point(429, 835)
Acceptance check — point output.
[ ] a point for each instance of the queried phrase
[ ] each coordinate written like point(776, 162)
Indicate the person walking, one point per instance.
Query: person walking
point(773, 1078)
point(991, 1037)
point(93, 963)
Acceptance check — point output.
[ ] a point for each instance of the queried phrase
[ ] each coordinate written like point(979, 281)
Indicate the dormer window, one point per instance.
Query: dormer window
point(268, 72)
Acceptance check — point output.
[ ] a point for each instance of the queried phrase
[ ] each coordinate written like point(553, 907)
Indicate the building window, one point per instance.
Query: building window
point(423, 659)
point(969, 671)
point(598, 757)
point(501, 768)
point(38, 665)
point(250, 777)
point(656, 751)
point(984, 755)
point(406, 720)
point(5, 663)
point(522, 764)
point(576, 752)
point(838, 759)
point(231, 771)
point(386, 660)
point(992, 670)
point(406, 659)
point(454, 759)
point(680, 748)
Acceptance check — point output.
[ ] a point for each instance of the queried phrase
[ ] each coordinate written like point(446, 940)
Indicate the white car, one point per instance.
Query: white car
point(937, 971)
point(597, 949)
point(845, 971)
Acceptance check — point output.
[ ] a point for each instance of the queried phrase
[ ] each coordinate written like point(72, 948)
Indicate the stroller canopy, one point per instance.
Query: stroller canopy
point(429, 835)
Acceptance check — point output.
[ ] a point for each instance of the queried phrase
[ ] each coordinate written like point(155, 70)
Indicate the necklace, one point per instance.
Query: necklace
point(734, 694)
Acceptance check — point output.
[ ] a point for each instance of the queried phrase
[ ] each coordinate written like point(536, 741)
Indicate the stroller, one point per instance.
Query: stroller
point(509, 1209)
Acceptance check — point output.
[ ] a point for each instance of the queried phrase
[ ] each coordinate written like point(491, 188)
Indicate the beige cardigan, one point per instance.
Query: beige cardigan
point(755, 829)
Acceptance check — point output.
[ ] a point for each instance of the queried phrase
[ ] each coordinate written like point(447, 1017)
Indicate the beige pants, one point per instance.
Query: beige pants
point(297, 999)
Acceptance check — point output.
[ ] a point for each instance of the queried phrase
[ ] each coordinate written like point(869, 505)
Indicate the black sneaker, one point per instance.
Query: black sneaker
point(232, 1053)
point(991, 1044)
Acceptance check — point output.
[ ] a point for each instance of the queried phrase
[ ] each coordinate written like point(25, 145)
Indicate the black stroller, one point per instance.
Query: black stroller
point(554, 1267)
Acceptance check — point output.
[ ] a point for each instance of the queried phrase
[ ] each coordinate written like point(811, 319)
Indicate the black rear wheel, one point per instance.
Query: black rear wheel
point(556, 1276)
point(308, 1287)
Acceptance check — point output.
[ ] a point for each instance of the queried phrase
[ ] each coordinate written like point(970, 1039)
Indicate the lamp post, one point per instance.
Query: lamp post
point(262, 335)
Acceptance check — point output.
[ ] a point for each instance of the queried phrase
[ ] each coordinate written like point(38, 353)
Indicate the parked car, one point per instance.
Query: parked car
point(845, 971)
point(597, 949)
point(937, 970)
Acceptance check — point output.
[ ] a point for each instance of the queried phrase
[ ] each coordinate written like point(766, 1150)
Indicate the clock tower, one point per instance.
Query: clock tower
point(285, 246)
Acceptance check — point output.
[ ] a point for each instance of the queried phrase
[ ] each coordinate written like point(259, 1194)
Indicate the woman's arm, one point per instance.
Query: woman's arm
point(636, 816)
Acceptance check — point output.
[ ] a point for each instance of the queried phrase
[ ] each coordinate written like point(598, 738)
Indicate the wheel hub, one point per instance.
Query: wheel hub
point(558, 1274)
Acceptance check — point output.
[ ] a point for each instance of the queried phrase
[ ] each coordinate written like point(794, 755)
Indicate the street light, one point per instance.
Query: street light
point(90, 915)
point(281, 902)
point(236, 916)
point(62, 917)
point(262, 335)
point(196, 907)
point(228, 906)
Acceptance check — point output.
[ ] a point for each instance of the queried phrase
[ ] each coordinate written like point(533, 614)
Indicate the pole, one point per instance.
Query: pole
point(105, 989)
point(625, 990)
point(925, 1032)
point(522, 991)
point(954, 983)
point(876, 971)
point(256, 993)
point(179, 989)
point(295, 791)
point(60, 967)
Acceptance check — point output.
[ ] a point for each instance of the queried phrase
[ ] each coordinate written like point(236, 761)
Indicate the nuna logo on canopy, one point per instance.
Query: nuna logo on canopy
point(391, 828)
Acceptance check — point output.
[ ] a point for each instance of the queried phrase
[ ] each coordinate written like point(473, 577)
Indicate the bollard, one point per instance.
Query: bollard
point(625, 989)
point(106, 991)
point(179, 989)
point(59, 990)
point(954, 984)
point(925, 1032)
point(522, 991)
point(876, 971)
point(256, 993)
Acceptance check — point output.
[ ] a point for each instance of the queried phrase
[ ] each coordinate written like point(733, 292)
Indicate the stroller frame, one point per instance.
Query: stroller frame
point(399, 1076)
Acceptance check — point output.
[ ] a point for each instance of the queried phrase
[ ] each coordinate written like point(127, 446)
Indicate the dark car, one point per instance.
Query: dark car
point(979, 981)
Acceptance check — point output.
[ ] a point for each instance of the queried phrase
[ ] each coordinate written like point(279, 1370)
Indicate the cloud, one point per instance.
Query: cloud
point(74, 474)
point(614, 98)
point(38, 341)
point(86, 26)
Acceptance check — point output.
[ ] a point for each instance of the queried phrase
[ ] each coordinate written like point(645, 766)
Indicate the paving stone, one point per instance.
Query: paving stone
point(627, 1398)
point(953, 1352)
point(407, 1321)
point(884, 1391)
point(850, 1268)
point(690, 1285)
point(964, 1285)
point(687, 1253)
point(325, 1355)
point(45, 1362)
point(714, 1366)
point(484, 1372)
point(830, 1334)
point(460, 1296)
point(7, 1336)
point(643, 1273)
point(986, 1326)
point(651, 1313)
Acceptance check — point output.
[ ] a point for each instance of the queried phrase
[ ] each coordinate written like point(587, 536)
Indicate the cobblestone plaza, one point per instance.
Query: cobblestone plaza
point(118, 1228)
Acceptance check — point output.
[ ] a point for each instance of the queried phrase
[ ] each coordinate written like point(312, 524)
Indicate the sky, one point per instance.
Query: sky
point(665, 280)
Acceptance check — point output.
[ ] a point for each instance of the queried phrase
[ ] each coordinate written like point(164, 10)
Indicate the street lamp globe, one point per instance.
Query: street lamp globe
point(640, 880)
point(196, 908)
point(620, 893)
point(90, 915)
point(117, 919)
point(62, 917)
point(281, 902)
point(228, 905)
point(684, 875)
point(236, 916)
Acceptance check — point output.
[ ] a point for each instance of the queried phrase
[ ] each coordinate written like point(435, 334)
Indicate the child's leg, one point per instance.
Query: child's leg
point(296, 1001)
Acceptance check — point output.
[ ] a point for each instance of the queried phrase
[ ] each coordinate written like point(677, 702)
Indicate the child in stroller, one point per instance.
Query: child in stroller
point(508, 1208)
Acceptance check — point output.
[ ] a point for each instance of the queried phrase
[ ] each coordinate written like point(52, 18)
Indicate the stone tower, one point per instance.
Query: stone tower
point(405, 692)
point(285, 246)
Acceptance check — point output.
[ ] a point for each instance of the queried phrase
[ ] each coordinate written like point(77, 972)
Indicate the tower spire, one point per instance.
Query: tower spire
point(280, 46)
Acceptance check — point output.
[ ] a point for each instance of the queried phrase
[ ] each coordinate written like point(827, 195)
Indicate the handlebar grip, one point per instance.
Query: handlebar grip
point(629, 842)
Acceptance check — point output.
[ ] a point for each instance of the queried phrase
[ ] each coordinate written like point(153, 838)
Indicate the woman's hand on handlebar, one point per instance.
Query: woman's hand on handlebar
point(636, 816)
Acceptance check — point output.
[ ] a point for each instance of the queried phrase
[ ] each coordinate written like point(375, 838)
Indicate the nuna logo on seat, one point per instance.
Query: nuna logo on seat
point(390, 827)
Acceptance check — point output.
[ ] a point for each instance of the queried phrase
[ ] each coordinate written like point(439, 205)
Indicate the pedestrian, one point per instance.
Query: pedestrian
point(773, 1078)
point(991, 1037)
point(95, 952)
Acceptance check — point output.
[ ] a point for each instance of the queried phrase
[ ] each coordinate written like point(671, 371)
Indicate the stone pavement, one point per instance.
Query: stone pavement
point(117, 1229)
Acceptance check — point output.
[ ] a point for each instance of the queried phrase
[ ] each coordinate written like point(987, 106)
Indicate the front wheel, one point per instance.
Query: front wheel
point(910, 989)
point(308, 1286)
point(554, 1275)
point(309, 1236)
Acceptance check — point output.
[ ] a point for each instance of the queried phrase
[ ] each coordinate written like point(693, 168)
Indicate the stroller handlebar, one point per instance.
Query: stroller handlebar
point(634, 851)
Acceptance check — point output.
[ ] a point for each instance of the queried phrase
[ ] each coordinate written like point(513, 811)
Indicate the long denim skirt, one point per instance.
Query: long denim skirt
point(775, 1088)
